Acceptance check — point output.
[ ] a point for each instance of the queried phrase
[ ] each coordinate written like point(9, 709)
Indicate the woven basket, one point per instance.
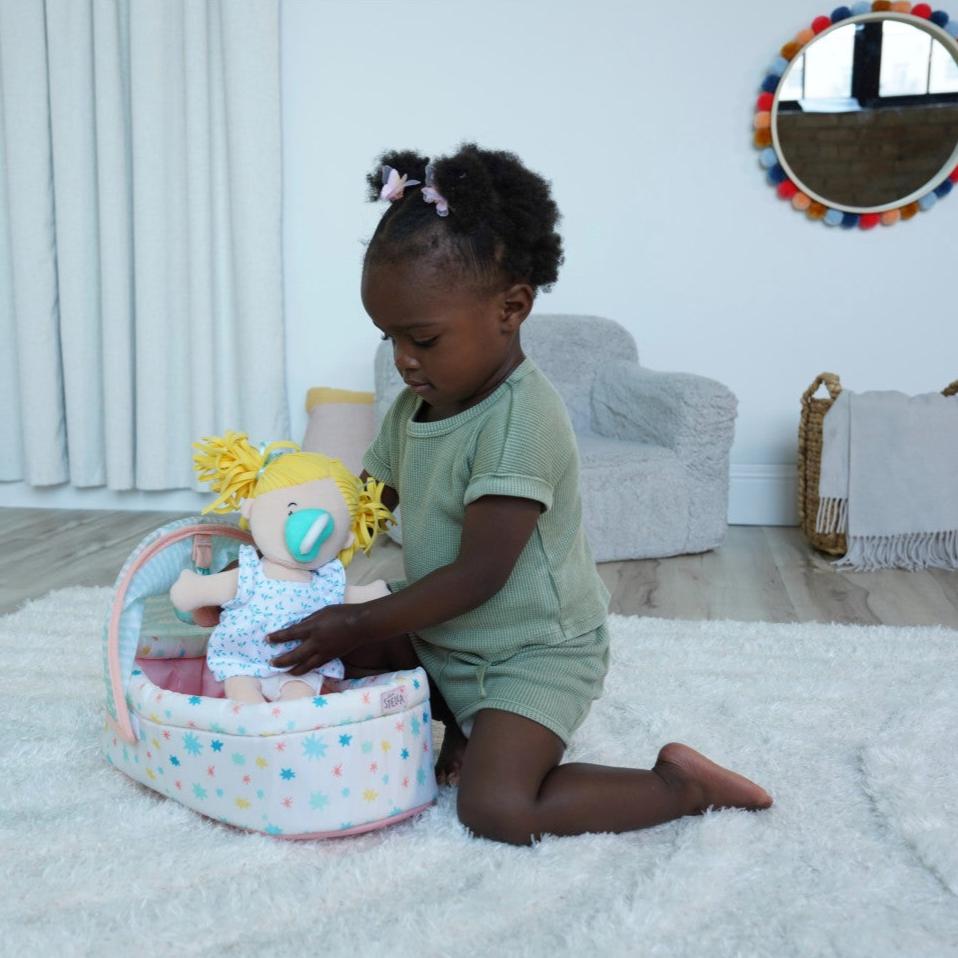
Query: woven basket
point(810, 460)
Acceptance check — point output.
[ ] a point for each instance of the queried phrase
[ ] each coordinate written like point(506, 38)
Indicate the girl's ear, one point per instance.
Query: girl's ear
point(516, 305)
point(246, 507)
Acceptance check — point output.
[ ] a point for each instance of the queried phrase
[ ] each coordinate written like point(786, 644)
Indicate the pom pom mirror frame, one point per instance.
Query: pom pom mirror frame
point(779, 173)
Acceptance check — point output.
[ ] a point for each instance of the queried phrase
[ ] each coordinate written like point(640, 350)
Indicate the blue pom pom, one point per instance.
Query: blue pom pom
point(833, 217)
point(944, 188)
point(778, 66)
point(840, 13)
point(928, 201)
point(849, 220)
point(939, 18)
point(768, 157)
point(770, 83)
point(776, 174)
point(859, 8)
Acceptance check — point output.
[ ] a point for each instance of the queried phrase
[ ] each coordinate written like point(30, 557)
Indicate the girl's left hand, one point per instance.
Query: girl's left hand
point(325, 635)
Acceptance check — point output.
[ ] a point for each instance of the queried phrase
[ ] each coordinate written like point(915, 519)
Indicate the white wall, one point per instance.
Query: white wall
point(640, 114)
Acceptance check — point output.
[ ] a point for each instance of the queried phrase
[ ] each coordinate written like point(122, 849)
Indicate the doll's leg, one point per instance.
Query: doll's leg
point(513, 789)
point(244, 688)
point(296, 690)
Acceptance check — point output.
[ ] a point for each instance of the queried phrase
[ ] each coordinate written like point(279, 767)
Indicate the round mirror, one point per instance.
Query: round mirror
point(858, 117)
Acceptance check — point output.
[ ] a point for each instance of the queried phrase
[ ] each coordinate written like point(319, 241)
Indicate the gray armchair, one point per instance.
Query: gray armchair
point(654, 447)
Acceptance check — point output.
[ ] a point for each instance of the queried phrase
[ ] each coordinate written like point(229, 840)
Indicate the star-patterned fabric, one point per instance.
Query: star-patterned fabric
point(356, 759)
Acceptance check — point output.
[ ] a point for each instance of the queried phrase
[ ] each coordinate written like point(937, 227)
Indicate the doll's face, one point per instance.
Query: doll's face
point(301, 527)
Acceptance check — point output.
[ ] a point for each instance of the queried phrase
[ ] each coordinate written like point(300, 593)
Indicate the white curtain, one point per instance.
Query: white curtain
point(140, 236)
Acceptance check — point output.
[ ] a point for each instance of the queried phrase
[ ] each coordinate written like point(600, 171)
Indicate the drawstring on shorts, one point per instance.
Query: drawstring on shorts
point(481, 675)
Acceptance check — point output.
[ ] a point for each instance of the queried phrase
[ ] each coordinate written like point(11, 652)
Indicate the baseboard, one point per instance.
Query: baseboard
point(762, 495)
point(758, 496)
point(20, 495)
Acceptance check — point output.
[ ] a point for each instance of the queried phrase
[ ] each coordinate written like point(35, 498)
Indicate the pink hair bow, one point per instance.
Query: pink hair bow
point(394, 184)
point(431, 195)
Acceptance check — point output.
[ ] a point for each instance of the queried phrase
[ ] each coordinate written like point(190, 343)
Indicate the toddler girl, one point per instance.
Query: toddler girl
point(502, 603)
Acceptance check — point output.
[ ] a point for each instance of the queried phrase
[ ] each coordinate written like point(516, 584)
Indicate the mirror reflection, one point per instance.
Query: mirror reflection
point(867, 116)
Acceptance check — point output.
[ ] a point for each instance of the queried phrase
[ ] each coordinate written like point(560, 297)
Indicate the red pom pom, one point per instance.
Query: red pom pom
point(953, 175)
point(821, 23)
point(764, 102)
point(786, 189)
point(921, 10)
point(869, 221)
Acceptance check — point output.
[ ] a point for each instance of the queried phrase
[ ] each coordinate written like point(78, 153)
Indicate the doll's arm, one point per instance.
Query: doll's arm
point(378, 588)
point(192, 590)
point(368, 592)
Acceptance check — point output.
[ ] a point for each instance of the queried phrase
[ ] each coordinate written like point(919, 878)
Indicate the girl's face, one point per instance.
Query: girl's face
point(452, 344)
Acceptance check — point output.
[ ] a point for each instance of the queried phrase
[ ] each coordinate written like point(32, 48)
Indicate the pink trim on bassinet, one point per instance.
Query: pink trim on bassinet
point(359, 829)
point(122, 723)
point(337, 833)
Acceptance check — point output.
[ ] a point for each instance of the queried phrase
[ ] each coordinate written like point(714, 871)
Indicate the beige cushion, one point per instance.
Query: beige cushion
point(341, 424)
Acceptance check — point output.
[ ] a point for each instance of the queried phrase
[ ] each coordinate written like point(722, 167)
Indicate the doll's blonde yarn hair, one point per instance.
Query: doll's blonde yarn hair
point(238, 470)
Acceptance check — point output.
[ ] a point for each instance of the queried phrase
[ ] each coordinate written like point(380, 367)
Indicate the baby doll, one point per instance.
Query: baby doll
point(307, 514)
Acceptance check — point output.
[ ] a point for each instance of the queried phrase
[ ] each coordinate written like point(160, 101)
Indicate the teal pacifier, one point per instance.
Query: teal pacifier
point(306, 531)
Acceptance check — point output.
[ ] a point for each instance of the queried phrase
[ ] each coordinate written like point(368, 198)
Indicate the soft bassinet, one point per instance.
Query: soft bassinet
point(335, 764)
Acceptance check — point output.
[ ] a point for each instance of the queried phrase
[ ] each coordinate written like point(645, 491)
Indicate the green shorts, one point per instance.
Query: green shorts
point(554, 685)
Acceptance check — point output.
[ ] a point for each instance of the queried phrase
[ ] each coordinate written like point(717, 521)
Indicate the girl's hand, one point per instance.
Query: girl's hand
point(327, 634)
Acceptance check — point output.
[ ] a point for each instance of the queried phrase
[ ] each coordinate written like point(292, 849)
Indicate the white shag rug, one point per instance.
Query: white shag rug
point(854, 730)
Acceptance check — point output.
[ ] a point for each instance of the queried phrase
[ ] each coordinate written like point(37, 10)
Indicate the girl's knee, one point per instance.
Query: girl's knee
point(501, 819)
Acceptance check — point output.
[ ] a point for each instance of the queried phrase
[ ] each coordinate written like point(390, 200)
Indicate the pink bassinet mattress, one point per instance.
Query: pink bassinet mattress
point(188, 676)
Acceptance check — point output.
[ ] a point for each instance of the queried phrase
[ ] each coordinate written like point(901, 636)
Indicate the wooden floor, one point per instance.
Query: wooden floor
point(759, 574)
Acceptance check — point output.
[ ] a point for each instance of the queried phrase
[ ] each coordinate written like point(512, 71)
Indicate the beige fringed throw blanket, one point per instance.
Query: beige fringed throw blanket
point(889, 480)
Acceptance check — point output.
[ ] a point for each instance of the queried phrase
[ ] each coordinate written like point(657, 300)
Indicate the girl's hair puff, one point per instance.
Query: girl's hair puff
point(501, 224)
point(238, 470)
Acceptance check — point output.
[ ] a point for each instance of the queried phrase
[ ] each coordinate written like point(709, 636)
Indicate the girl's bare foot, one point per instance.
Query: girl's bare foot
point(706, 783)
point(449, 763)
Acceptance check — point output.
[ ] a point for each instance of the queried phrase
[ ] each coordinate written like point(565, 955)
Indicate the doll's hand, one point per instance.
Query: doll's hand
point(205, 595)
point(327, 634)
point(184, 595)
point(207, 616)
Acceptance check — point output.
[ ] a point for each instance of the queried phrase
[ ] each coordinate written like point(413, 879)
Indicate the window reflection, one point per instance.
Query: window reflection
point(828, 66)
point(905, 60)
point(905, 57)
point(943, 76)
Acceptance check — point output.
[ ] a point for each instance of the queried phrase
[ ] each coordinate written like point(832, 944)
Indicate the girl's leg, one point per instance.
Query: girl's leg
point(394, 655)
point(513, 789)
point(389, 656)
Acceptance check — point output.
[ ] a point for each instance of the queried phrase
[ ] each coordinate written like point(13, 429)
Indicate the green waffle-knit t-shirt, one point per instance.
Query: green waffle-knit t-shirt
point(518, 441)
